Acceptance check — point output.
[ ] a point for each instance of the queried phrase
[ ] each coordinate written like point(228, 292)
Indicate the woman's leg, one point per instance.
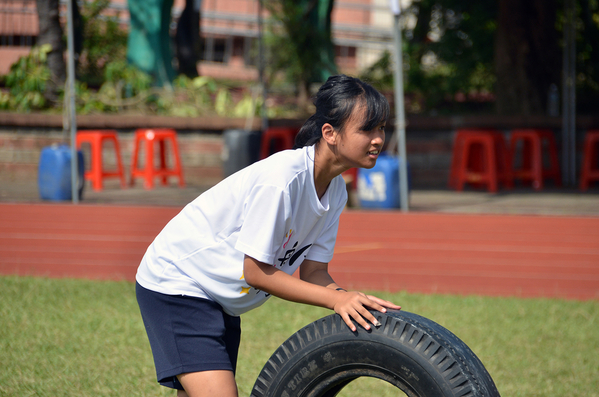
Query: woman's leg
point(208, 384)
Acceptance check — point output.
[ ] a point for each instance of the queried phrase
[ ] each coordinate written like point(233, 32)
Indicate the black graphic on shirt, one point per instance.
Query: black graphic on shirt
point(291, 255)
point(298, 254)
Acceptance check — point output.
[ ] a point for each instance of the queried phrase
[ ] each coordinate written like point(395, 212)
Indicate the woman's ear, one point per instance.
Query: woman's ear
point(329, 134)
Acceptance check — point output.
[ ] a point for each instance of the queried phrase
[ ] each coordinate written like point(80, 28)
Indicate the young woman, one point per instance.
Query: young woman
point(240, 242)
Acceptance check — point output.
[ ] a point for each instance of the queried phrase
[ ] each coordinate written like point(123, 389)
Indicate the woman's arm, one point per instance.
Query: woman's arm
point(315, 287)
point(317, 273)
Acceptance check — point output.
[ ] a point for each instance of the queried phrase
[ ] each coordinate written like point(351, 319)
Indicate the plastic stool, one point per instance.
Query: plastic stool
point(96, 139)
point(284, 136)
point(532, 157)
point(479, 158)
point(590, 168)
point(351, 177)
point(147, 138)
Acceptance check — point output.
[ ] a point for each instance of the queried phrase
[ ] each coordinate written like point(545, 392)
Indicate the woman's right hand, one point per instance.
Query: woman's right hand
point(354, 305)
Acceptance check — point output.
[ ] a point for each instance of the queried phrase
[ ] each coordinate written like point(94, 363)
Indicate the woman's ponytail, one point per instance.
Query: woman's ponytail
point(309, 134)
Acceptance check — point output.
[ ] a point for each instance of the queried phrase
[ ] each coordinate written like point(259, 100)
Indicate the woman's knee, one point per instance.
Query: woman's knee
point(219, 383)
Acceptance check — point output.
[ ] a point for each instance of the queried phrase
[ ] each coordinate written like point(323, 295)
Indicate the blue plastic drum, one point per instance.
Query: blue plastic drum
point(54, 173)
point(378, 187)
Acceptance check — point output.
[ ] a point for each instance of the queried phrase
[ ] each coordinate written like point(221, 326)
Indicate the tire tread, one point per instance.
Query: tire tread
point(455, 362)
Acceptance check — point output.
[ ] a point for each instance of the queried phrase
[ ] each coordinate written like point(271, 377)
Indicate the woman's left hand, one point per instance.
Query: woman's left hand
point(384, 303)
point(354, 305)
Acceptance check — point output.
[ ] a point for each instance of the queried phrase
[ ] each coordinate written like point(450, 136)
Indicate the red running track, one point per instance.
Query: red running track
point(497, 255)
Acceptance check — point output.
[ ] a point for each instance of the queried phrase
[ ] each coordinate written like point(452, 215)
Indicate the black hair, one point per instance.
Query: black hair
point(335, 102)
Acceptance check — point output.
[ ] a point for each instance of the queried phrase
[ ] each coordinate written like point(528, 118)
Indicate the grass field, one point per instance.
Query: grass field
point(78, 337)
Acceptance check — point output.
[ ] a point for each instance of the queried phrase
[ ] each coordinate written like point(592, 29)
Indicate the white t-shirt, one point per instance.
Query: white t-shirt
point(269, 211)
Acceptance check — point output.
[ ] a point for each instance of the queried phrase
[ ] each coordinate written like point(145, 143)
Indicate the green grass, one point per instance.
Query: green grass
point(76, 337)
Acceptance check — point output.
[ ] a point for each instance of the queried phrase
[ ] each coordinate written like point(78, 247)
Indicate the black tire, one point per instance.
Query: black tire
point(413, 353)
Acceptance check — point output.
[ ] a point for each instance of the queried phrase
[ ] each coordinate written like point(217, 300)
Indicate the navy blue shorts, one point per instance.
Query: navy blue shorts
point(187, 334)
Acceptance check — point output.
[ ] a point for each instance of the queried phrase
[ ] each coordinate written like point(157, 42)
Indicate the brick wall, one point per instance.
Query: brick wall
point(429, 141)
point(429, 155)
point(20, 153)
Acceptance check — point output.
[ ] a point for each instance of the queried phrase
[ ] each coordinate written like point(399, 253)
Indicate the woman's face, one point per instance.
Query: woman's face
point(356, 147)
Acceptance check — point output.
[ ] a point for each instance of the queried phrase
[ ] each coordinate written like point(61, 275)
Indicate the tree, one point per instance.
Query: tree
point(50, 32)
point(102, 41)
point(304, 49)
point(527, 56)
point(587, 60)
point(449, 51)
point(187, 39)
point(510, 48)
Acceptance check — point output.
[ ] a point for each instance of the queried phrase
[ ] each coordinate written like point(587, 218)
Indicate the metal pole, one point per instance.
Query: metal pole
point(400, 118)
point(565, 103)
point(261, 65)
point(569, 98)
point(71, 105)
point(572, 95)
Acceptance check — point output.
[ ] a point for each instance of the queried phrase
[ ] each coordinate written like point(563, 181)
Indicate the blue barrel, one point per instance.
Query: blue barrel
point(378, 187)
point(54, 173)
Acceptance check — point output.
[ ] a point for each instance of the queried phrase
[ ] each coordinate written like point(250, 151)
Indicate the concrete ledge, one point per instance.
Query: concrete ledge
point(217, 123)
point(495, 121)
point(114, 121)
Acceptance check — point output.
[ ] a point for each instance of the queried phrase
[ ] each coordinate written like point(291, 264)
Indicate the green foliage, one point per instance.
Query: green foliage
point(104, 42)
point(298, 43)
point(4, 100)
point(127, 89)
point(248, 106)
point(449, 51)
point(27, 81)
point(448, 64)
point(79, 337)
point(587, 55)
point(380, 73)
point(120, 72)
point(283, 55)
point(449, 59)
point(106, 83)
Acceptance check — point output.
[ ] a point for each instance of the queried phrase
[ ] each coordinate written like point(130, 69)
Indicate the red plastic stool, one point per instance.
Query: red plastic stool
point(351, 177)
point(282, 137)
point(146, 138)
point(96, 139)
point(479, 158)
point(532, 168)
point(590, 168)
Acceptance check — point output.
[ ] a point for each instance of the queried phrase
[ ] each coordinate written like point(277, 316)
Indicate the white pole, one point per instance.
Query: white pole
point(400, 117)
point(71, 103)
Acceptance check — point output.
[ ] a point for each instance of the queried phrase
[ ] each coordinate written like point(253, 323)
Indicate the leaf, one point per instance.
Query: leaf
point(222, 102)
point(200, 81)
point(245, 107)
